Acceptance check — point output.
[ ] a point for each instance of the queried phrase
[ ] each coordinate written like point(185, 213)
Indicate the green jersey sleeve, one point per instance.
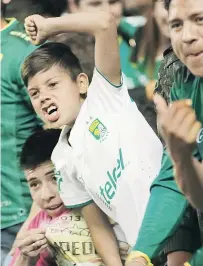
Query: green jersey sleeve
point(197, 258)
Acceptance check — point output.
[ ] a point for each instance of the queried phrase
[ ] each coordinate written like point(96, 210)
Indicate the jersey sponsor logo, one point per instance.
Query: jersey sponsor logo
point(108, 190)
point(98, 130)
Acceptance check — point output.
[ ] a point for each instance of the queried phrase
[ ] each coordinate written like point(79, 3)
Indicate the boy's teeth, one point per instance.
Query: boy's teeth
point(51, 108)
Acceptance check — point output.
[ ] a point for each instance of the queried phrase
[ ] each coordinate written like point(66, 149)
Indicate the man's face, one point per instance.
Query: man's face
point(56, 97)
point(186, 31)
point(113, 6)
point(43, 189)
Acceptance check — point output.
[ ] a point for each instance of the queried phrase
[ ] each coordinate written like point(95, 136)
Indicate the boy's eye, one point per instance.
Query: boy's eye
point(199, 19)
point(53, 84)
point(175, 25)
point(54, 178)
point(34, 185)
point(95, 4)
point(34, 94)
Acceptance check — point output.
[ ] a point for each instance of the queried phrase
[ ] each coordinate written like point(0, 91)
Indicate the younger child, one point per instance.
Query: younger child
point(63, 230)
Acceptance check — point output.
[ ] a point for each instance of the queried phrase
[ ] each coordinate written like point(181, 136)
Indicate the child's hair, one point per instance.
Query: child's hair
point(38, 148)
point(47, 56)
point(82, 45)
point(167, 4)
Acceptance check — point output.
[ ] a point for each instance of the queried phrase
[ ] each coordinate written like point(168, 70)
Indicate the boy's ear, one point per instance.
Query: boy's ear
point(82, 83)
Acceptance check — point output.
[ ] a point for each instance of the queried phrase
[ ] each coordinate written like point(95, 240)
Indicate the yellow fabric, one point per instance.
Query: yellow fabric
point(11, 20)
point(137, 254)
point(70, 238)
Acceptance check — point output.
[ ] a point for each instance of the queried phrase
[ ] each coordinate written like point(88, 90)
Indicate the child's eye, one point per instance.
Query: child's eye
point(54, 178)
point(34, 185)
point(34, 94)
point(175, 25)
point(199, 19)
point(53, 84)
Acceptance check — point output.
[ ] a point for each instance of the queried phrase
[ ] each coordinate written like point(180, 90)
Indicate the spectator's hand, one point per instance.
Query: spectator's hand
point(178, 126)
point(32, 242)
point(36, 28)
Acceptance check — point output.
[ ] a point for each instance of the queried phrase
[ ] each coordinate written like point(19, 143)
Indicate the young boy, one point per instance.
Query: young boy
point(111, 154)
point(64, 231)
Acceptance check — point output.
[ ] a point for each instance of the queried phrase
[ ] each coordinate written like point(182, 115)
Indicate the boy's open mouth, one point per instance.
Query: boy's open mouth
point(51, 113)
point(54, 207)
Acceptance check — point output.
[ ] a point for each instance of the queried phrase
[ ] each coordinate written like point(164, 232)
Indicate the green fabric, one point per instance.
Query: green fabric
point(131, 24)
point(197, 259)
point(166, 204)
point(141, 66)
point(136, 74)
point(18, 121)
point(133, 77)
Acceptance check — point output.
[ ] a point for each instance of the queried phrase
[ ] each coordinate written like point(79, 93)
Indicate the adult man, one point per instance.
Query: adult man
point(180, 129)
point(18, 121)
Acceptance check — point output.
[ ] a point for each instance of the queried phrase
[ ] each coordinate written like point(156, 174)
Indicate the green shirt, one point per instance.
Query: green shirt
point(18, 121)
point(167, 204)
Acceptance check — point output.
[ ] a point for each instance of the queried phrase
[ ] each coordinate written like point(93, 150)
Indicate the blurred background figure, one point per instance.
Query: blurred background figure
point(18, 121)
point(20, 9)
point(151, 41)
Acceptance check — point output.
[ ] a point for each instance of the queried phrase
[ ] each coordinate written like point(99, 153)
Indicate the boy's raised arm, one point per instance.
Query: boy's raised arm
point(101, 24)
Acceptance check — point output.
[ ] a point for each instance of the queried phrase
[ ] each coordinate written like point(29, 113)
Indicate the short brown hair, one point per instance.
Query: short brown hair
point(48, 55)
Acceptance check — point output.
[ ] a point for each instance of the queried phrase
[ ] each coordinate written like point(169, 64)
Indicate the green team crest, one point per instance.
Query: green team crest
point(98, 130)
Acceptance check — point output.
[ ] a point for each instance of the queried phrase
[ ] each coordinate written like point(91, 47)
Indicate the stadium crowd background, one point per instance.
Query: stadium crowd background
point(148, 64)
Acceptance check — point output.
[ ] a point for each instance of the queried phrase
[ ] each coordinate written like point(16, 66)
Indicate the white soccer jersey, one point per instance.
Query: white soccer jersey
point(113, 158)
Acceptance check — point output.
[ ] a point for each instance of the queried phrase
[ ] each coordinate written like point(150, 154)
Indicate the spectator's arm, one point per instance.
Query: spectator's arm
point(189, 176)
point(101, 25)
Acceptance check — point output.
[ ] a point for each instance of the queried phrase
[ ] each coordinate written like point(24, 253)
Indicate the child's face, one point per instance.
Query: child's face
point(56, 97)
point(43, 189)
